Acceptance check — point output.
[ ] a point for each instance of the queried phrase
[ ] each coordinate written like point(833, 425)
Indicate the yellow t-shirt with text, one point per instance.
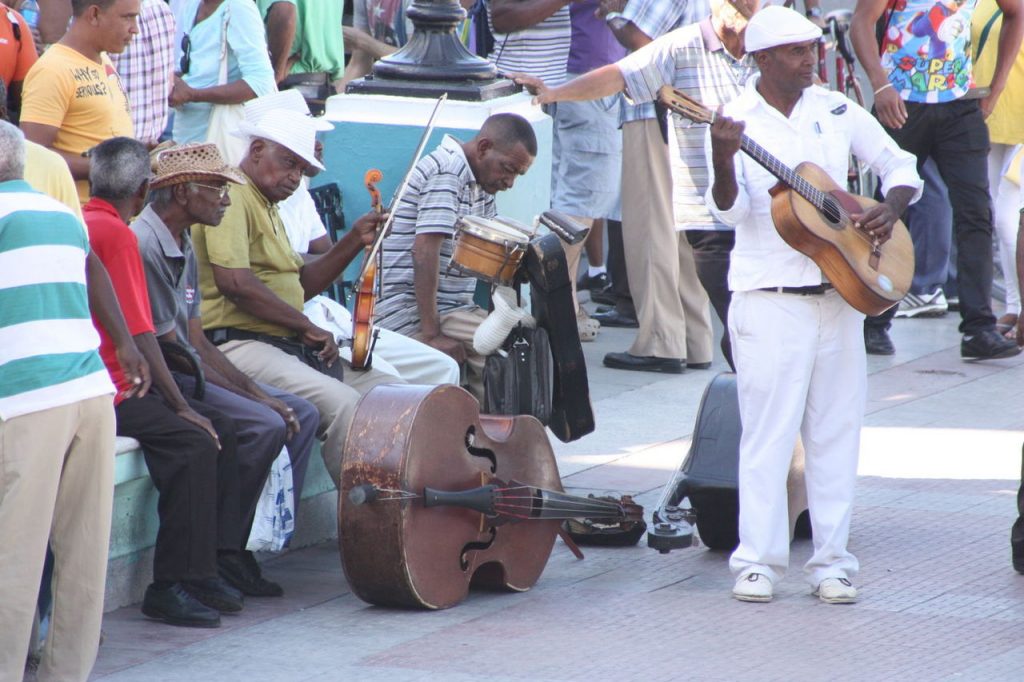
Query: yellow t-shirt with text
point(83, 99)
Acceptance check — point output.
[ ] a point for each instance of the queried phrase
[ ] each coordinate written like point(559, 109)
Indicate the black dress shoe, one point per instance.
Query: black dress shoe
point(175, 606)
point(877, 341)
point(216, 593)
point(604, 295)
point(987, 345)
point(698, 365)
point(644, 364)
point(242, 572)
point(613, 318)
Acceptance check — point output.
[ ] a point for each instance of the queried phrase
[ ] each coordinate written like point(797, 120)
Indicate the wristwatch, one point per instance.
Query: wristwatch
point(814, 12)
point(615, 20)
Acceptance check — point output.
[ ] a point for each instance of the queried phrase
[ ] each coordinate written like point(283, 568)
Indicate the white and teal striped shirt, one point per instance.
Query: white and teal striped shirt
point(48, 346)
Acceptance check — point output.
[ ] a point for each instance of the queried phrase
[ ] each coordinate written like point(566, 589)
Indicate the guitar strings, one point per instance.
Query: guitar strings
point(698, 113)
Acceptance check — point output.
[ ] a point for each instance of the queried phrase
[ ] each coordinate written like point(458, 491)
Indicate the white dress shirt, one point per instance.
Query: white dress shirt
point(824, 127)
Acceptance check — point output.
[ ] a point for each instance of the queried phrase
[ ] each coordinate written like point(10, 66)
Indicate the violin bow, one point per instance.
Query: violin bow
point(403, 186)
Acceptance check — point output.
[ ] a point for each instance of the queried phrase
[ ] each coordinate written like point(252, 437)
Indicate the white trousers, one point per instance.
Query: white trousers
point(394, 353)
point(1006, 218)
point(800, 369)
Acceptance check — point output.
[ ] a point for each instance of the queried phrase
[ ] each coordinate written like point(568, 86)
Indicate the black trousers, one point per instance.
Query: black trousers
point(198, 504)
point(711, 253)
point(616, 260)
point(955, 136)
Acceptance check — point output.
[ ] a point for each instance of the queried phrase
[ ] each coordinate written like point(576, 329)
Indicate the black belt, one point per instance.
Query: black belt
point(224, 334)
point(816, 290)
point(291, 345)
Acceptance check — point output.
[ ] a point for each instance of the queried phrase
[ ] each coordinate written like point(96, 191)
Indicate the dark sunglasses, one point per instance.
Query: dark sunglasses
point(186, 57)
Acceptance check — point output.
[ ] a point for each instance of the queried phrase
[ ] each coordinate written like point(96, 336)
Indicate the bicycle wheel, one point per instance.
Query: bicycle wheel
point(859, 178)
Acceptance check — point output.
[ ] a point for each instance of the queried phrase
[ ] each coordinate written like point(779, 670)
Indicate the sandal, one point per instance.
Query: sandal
point(587, 326)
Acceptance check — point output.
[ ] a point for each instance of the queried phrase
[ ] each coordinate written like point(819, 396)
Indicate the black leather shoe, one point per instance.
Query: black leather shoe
point(698, 365)
point(987, 345)
point(594, 283)
point(877, 341)
point(613, 318)
point(175, 606)
point(644, 364)
point(605, 295)
point(217, 594)
point(242, 572)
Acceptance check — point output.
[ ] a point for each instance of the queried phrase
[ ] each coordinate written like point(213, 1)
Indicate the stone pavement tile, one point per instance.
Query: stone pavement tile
point(644, 470)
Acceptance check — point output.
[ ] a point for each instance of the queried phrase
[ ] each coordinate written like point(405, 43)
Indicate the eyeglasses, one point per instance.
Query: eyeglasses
point(221, 191)
point(186, 57)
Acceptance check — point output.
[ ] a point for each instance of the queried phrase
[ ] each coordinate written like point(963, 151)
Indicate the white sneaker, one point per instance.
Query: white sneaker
point(755, 587)
point(836, 591)
point(926, 305)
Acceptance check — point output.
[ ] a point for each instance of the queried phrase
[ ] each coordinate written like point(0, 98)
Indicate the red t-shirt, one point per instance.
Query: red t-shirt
point(17, 52)
point(118, 249)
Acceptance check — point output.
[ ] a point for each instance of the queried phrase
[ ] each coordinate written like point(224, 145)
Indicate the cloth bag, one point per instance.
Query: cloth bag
point(225, 118)
point(274, 523)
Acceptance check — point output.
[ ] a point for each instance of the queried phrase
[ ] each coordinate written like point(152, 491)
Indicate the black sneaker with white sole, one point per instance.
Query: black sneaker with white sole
point(987, 345)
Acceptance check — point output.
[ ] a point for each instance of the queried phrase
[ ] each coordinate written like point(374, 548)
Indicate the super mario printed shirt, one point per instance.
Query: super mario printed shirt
point(926, 49)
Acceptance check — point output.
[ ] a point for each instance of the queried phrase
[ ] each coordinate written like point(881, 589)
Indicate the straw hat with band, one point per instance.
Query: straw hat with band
point(192, 163)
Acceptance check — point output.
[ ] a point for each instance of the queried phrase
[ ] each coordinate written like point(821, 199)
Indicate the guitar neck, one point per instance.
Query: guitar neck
point(783, 172)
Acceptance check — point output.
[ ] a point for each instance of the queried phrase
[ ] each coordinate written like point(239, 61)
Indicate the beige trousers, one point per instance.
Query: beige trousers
point(336, 401)
point(56, 483)
point(671, 305)
point(461, 325)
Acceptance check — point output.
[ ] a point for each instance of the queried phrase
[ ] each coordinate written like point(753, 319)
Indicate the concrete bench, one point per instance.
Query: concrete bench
point(134, 524)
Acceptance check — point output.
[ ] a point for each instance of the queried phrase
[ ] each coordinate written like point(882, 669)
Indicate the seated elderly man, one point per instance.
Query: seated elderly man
point(393, 353)
point(253, 284)
point(420, 298)
point(207, 456)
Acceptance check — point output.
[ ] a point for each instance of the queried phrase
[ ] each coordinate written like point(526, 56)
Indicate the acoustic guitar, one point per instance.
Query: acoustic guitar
point(812, 214)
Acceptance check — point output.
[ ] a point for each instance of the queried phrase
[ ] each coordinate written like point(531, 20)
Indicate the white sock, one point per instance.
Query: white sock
point(594, 272)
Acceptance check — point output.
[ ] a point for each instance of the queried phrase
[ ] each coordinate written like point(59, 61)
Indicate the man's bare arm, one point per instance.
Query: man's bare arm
point(598, 83)
point(508, 16)
point(426, 263)
point(282, 19)
point(889, 107)
point(46, 135)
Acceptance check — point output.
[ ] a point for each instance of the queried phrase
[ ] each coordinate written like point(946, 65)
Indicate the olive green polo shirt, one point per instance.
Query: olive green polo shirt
point(251, 236)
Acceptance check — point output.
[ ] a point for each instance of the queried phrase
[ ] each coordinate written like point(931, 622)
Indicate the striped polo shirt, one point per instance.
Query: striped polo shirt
point(48, 346)
point(442, 188)
point(691, 59)
point(541, 50)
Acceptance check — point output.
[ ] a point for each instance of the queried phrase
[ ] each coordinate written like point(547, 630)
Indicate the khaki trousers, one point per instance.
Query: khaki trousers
point(336, 401)
point(671, 305)
point(461, 325)
point(56, 484)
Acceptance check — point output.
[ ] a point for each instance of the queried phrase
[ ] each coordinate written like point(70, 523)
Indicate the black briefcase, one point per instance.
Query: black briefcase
point(518, 378)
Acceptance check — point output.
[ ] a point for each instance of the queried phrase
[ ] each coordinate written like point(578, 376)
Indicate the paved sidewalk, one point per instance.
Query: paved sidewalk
point(939, 471)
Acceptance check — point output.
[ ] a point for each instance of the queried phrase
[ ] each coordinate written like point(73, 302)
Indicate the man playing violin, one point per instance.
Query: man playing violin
point(253, 284)
point(797, 345)
point(420, 297)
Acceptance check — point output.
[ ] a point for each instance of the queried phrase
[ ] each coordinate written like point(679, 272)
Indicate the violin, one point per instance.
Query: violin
point(435, 498)
point(364, 336)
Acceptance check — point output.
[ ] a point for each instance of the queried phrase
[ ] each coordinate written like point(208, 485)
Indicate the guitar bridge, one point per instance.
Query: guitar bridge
point(876, 256)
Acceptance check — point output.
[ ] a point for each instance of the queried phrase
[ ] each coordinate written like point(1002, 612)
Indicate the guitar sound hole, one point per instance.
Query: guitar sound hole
point(830, 209)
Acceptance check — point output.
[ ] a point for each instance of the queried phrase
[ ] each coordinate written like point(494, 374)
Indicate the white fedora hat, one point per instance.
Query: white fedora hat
point(290, 100)
point(289, 129)
point(774, 26)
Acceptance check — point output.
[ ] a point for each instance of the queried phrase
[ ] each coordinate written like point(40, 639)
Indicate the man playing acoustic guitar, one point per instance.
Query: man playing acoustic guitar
point(797, 344)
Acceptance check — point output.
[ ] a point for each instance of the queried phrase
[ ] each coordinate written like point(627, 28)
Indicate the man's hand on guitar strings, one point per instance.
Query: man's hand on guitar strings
point(877, 222)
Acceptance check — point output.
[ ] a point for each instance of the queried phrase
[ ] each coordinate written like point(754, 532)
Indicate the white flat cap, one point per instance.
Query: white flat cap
point(775, 25)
